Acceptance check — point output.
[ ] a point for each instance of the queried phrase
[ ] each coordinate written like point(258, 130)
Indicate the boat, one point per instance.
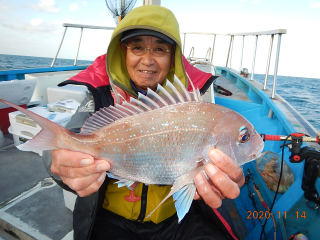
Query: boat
point(32, 206)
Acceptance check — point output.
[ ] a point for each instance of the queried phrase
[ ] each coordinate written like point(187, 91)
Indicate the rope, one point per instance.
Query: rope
point(221, 90)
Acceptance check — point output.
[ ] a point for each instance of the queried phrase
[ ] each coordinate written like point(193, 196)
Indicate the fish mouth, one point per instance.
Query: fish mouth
point(259, 150)
point(255, 156)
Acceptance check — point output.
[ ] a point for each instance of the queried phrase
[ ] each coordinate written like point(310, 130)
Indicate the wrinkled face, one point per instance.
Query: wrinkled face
point(147, 70)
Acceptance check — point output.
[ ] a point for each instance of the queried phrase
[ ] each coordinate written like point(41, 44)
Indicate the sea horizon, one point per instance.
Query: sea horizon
point(300, 92)
point(91, 61)
point(11, 62)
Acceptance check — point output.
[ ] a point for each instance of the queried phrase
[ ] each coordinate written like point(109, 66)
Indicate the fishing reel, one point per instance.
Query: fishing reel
point(312, 161)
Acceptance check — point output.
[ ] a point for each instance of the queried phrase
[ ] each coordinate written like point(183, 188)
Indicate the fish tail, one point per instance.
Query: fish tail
point(44, 140)
point(47, 138)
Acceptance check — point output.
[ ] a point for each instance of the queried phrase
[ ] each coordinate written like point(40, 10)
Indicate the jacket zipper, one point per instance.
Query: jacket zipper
point(143, 208)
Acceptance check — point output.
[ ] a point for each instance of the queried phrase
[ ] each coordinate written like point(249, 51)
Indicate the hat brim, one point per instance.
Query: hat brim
point(145, 32)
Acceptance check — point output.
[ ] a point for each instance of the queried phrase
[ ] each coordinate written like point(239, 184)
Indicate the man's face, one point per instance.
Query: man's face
point(147, 70)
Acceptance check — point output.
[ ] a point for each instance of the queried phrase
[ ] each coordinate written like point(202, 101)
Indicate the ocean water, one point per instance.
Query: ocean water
point(8, 62)
point(301, 93)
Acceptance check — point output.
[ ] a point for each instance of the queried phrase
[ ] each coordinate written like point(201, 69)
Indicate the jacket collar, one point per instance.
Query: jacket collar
point(135, 88)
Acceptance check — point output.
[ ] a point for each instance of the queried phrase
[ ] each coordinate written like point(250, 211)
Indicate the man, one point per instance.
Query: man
point(145, 50)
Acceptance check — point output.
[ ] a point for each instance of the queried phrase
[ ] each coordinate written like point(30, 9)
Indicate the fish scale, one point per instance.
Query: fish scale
point(158, 142)
point(162, 138)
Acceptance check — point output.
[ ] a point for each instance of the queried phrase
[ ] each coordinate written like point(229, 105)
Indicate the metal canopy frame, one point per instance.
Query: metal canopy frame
point(278, 32)
point(66, 25)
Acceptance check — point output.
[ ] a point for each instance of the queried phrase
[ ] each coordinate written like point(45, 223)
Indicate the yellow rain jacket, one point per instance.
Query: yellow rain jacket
point(118, 200)
point(150, 17)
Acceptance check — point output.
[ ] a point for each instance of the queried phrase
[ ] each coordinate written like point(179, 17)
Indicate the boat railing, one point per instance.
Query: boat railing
point(208, 54)
point(191, 52)
point(81, 26)
point(272, 33)
point(192, 58)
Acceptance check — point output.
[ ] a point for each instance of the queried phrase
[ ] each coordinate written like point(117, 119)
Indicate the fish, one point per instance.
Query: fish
point(162, 138)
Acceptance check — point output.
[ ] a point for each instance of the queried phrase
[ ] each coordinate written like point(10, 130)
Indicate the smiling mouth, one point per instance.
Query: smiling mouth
point(144, 71)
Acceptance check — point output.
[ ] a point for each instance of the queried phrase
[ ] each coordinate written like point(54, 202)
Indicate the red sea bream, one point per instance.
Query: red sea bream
point(161, 138)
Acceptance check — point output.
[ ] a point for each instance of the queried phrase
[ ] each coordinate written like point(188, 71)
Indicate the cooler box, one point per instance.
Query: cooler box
point(24, 128)
point(75, 92)
point(18, 92)
point(69, 105)
point(69, 199)
point(18, 139)
point(45, 80)
point(4, 117)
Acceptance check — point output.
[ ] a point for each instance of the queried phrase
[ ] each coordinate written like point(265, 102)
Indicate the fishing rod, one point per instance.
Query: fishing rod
point(309, 154)
point(311, 168)
point(265, 205)
point(251, 194)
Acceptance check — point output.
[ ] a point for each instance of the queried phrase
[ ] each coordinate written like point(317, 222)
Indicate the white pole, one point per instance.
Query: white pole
point(276, 68)
point(254, 58)
point(268, 63)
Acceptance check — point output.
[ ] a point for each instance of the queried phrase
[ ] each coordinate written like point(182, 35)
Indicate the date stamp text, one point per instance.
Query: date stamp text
point(267, 215)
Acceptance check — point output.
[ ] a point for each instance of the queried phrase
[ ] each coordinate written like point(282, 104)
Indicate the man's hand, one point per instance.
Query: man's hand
point(79, 171)
point(226, 178)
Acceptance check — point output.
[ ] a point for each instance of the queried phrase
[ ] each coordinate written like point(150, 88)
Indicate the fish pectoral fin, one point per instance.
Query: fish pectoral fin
point(180, 185)
point(183, 199)
point(123, 182)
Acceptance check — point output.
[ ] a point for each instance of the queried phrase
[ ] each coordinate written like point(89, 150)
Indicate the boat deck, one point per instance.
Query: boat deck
point(32, 205)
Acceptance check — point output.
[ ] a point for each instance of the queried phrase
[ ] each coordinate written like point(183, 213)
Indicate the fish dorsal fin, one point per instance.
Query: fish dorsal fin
point(117, 112)
point(174, 92)
point(132, 107)
point(156, 98)
point(192, 96)
point(87, 130)
point(92, 124)
point(101, 119)
point(148, 101)
point(196, 93)
point(163, 93)
point(182, 89)
point(125, 110)
point(199, 96)
point(107, 115)
point(139, 104)
point(105, 118)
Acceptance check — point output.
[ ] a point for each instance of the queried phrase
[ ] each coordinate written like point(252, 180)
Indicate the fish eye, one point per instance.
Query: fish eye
point(244, 135)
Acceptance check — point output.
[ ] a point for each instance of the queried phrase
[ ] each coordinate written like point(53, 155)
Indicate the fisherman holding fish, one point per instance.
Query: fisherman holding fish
point(144, 51)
